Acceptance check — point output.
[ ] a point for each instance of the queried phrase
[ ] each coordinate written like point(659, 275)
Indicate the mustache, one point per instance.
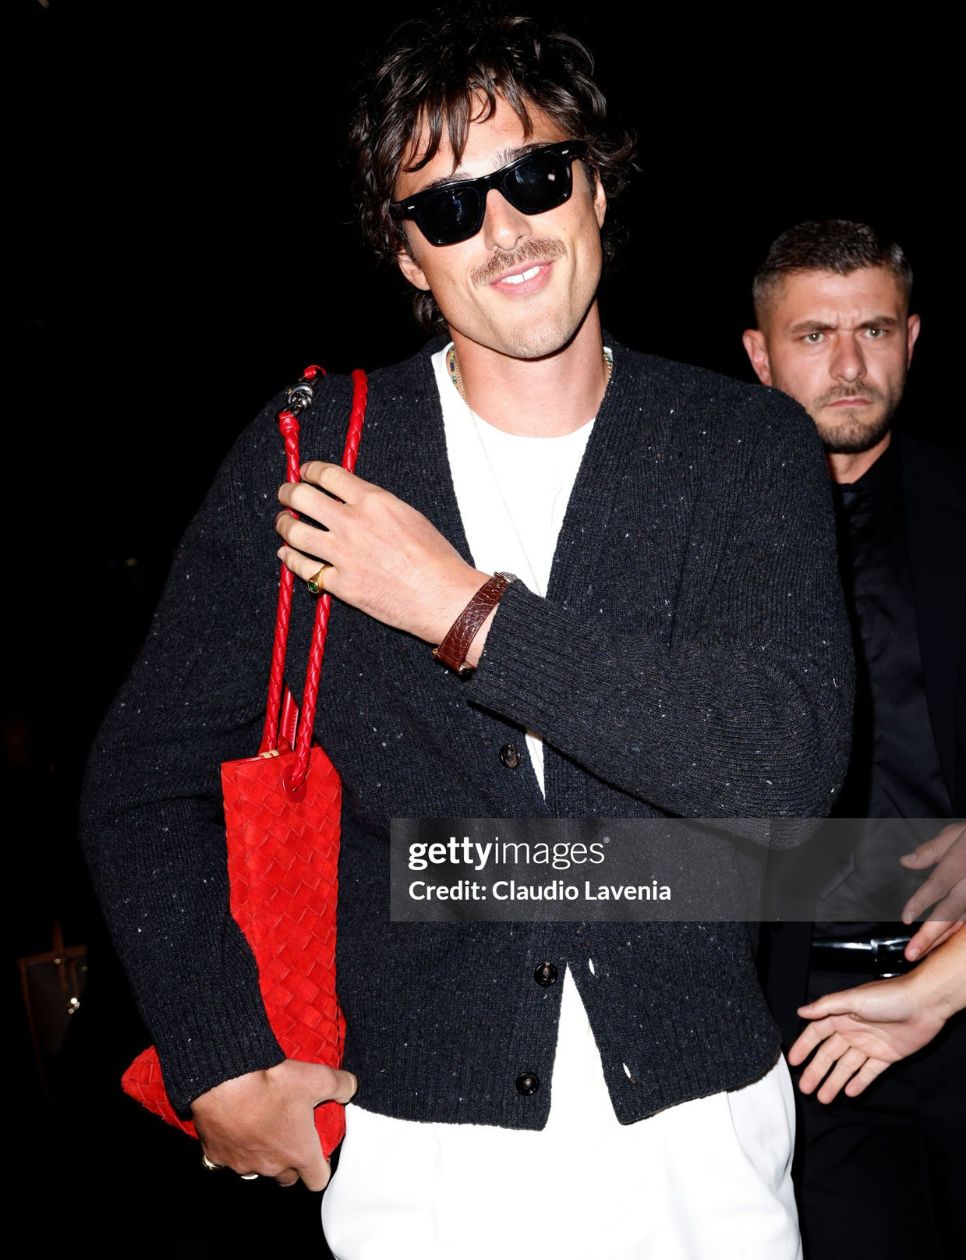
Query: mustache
point(866, 392)
point(535, 250)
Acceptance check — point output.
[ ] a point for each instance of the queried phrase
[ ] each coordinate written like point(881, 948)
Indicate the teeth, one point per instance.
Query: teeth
point(524, 275)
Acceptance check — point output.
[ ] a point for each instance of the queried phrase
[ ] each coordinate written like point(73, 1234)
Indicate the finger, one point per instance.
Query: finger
point(921, 856)
point(301, 536)
point(847, 1066)
point(807, 1040)
point(315, 1169)
point(930, 851)
point(866, 1074)
point(930, 935)
point(342, 1088)
point(840, 1003)
point(926, 895)
point(308, 501)
point(828, 1053)
point(305, 567)
point(335, 479)
point(287, 1178)
point(952, 908)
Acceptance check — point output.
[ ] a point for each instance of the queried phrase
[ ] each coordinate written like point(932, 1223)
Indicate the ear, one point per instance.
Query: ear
point(600, 200)
point(411, 269)
point(912, 336)
point(756, 349)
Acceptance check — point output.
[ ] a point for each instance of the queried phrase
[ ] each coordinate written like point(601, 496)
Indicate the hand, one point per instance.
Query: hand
point(945, 889)
point(861, 1031)
point(387, 559)
point(263, 1122)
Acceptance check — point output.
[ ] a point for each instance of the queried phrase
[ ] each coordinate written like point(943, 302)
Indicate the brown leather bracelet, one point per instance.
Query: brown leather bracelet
point(456, 643)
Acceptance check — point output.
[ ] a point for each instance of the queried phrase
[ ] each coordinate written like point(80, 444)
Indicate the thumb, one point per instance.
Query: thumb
point(831, 1004)
point(346, 1086)
point(327, 1084)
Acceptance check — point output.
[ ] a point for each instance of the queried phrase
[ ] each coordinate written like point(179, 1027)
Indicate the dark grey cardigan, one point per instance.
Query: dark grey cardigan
point(691, 658)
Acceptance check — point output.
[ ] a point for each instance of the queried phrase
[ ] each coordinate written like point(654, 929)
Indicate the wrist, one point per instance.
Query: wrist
point(461, 646)
point(936, 985)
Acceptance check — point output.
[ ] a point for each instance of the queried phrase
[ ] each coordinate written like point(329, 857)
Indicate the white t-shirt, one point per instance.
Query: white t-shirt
point(512, 493)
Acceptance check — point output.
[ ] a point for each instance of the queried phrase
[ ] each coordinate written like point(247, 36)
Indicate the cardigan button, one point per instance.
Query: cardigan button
point(528, 1083)
point(510, 756)
point(545, 975)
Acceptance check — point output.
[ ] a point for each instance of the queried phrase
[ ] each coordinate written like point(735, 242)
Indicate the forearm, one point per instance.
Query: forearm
point(940, 979)
point(151, 823)
point(714, 727)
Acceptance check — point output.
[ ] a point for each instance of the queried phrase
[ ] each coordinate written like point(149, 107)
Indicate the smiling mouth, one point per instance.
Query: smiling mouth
point(522, 266)
point(521, 277)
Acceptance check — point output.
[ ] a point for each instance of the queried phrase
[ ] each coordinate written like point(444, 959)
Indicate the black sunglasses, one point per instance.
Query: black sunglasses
point(539, 181)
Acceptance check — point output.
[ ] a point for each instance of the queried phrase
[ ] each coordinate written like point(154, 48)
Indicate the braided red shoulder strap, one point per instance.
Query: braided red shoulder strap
point(278, 708)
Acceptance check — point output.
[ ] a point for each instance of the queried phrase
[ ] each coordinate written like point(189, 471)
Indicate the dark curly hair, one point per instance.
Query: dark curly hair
point(435, 73)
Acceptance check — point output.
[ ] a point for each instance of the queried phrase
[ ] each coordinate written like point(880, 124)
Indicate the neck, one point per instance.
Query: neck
point(846, 468)
point(546, 397)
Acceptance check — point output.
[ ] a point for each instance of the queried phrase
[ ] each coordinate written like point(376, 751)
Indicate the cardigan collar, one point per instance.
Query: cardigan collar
point(417, 464)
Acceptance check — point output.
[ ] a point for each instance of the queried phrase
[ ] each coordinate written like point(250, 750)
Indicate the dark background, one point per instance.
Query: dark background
point(182, 244)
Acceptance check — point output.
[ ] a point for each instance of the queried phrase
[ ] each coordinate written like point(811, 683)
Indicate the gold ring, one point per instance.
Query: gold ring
point(206, 1163)
point(316, 583)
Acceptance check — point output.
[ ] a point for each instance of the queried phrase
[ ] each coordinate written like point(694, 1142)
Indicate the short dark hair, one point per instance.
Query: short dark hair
point(433, 74)
point(828, 245)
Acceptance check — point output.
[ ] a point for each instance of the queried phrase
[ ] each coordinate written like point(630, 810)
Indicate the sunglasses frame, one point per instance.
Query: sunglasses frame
point(410, 207)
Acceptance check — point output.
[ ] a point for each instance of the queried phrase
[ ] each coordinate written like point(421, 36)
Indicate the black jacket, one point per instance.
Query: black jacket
point(934, 507)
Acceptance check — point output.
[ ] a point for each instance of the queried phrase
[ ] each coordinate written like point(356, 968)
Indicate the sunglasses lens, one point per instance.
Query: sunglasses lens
point(536, 183)
point(451, 215)
point(540, 183)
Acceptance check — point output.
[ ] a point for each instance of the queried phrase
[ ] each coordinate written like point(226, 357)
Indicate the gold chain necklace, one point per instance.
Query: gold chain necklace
point(456, 376)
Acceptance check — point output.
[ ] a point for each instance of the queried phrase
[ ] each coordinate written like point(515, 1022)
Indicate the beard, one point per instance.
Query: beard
point(852, 432)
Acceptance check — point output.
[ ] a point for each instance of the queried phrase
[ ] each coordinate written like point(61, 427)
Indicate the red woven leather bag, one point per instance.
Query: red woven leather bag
point(282, 818)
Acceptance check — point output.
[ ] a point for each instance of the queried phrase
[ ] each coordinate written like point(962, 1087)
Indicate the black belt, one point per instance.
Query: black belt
point(880, 957)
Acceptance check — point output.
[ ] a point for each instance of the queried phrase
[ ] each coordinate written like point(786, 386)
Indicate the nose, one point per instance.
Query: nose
point(504, 227)
point(848, 361)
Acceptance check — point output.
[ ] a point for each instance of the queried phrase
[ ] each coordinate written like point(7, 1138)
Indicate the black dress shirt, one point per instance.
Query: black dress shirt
point(894, 770)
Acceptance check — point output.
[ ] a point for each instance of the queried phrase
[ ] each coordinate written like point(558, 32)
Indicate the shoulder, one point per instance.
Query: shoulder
point(709, 405)
point(933, 478)
point(932, 471)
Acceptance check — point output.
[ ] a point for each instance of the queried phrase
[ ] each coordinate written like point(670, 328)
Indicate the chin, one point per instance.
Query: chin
point(851, 435)
point(539, 341)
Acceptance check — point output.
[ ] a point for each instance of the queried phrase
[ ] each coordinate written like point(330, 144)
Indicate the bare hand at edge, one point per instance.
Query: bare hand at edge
point(263, 1122)
point(944, 889)
point(857, 1033)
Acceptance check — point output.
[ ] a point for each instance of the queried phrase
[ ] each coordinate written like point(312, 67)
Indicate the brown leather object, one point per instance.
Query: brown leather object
point(452, 651)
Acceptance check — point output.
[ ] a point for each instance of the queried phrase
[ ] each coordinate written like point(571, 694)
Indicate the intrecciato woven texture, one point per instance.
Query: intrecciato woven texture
point(282, 819)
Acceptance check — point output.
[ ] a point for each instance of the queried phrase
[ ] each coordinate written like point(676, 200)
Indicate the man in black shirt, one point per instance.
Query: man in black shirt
point(834, 331)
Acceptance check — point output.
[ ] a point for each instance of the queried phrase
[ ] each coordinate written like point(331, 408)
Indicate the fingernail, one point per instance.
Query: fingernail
point(907, 917)
point(912, 954)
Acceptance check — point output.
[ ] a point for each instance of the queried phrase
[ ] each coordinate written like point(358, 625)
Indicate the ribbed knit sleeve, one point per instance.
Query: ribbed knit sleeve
point(151, 821)
point(739, 706)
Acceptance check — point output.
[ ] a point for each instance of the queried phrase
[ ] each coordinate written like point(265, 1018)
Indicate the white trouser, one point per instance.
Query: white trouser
point(705, 1180)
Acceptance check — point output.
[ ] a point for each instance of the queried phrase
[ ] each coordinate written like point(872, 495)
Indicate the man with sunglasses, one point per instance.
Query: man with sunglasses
point(673, 645)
